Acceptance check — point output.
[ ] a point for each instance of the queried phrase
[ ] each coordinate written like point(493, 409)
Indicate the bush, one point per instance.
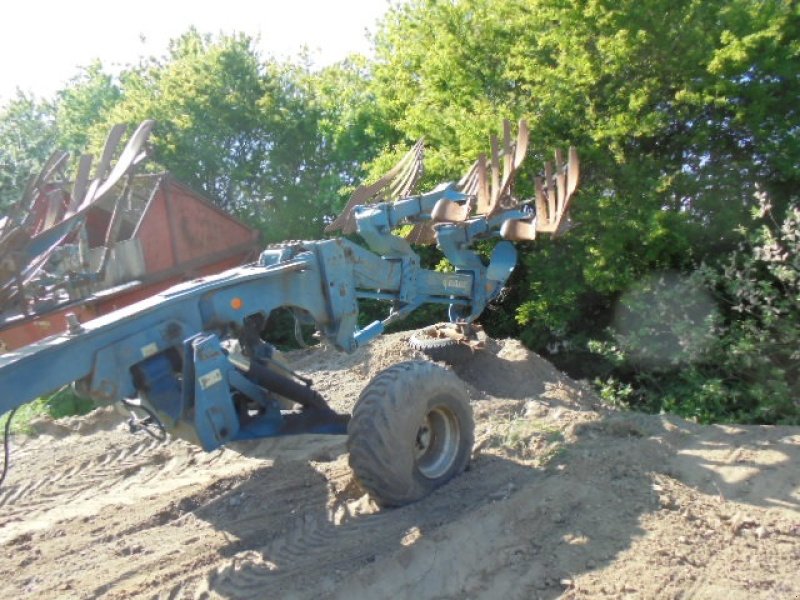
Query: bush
point(63, 403)
point(738, 363)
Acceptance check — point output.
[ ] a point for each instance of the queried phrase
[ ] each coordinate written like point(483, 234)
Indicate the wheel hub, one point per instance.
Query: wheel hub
point(437, 442)
point(423, 438)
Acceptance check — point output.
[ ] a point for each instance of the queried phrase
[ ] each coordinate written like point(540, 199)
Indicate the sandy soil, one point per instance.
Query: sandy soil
point(564, 498)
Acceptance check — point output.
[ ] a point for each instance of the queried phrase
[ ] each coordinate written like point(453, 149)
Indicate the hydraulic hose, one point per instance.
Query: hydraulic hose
point(6, 434)
point(280, 384)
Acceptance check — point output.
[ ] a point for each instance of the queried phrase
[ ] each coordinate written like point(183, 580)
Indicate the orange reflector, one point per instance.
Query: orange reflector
point(236, 303)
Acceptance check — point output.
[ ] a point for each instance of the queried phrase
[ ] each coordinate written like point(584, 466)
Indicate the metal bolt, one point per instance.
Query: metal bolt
point(74, 326)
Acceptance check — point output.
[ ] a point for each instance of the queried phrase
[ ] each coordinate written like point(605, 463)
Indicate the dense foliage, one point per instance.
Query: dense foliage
point(683, 112)
point(721, 344)
point(27, 136)
point(679, 288)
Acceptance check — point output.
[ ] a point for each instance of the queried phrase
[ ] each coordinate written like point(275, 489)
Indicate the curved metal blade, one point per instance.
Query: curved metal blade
point(475, 183)
point(541, 201)
point(573, 171)
point(468, 178)
point(81, 182)
point(403, 184)
point(127, 159)
point(513, 155)
point(396, 183)
point(56, 200)
point(90, 193)
point(552, 199)
point(27, 196)
point(54, 162)
point(554, 193)
point(112, 141)
point(468, 184)
point(561, 180)
point(523, 135)
point(494, 194)
point(484, 195)
point(508, 151)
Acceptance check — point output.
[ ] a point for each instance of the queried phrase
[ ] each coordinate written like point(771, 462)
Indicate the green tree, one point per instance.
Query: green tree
point(83, 105)
point(351, 129)
point(682, 112)
point(332, 129)
point(276, 143)
point(660, 98)
point(207, 99)
point(27, 137)
point(738, 362)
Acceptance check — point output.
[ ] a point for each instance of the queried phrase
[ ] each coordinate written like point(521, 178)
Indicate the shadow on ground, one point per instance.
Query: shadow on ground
point(504, 529)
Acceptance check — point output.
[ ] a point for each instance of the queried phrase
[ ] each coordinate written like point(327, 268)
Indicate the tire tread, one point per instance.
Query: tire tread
point(375, 436)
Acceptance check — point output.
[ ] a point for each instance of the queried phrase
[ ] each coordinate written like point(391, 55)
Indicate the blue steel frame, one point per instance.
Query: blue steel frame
point(169, 349)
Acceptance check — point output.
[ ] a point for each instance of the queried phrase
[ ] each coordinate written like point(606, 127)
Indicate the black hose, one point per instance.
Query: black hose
point(144, 424)
point(5, 445)
point(283, 386)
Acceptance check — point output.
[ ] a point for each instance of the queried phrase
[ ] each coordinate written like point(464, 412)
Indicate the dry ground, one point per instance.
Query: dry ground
point(564, 499)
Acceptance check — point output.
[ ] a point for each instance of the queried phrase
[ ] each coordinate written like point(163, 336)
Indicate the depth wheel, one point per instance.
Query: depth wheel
point(440, 347)
point(412, 431)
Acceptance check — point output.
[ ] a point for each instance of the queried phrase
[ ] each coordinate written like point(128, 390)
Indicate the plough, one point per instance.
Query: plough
point(48, 213)
point(106, 238)
point(194, 359)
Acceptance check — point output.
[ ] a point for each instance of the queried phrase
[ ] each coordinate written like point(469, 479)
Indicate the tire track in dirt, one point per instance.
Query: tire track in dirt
point(96, 474)
point(122, 475)
point(314, 544)
point(563, 500)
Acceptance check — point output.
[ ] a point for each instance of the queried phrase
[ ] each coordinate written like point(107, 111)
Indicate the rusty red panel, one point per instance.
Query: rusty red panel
point(200, 228)
point(28, 331)
point(181, 228)
point(97, 220)
point(153, 232)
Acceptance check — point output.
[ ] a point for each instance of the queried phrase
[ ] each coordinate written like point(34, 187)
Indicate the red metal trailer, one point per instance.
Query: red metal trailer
point(163, 233)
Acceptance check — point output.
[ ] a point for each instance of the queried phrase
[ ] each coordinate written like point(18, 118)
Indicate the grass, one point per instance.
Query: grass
point(64, 403)
point(522, 430)
point(526, 437)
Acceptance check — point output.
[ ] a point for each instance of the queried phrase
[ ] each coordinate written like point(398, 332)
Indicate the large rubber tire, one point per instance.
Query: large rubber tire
point(446, 350)
point(411, 431)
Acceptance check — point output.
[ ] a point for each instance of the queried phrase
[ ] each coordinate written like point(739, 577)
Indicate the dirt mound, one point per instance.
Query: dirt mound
point(563, 499)
point(103, 418)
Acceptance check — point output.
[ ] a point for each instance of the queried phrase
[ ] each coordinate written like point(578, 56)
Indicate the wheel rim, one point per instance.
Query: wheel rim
point(437, 442)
